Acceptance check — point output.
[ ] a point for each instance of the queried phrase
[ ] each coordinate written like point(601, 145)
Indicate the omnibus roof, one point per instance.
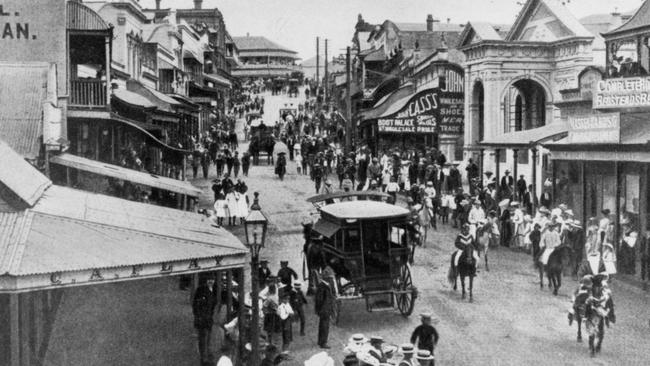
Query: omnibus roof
point(364, 210)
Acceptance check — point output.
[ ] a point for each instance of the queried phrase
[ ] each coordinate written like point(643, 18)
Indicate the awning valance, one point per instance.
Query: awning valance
point(387, 101)
point(528, 138)
point(218, 79)
point(326, 228)
point(118, 172)
point(133, 99)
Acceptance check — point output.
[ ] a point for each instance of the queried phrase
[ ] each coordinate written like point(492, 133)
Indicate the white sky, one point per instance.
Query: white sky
point(296, 23)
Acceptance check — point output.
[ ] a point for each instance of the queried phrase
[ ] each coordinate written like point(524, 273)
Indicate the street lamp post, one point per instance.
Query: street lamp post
point(255, 227)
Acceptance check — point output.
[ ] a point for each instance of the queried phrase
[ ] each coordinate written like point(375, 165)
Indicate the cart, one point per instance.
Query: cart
point(366, 242)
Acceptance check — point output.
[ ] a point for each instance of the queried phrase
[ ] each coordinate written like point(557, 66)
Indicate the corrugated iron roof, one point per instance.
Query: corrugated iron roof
point(250, 43)
point(115, 171)
point(117, 212)
point(640, 19)
point(23, 90)
point(58, 244)
point(20, 177)
point(13, 226)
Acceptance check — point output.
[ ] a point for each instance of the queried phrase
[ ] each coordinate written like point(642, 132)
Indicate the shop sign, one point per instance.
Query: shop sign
point(633, 156)
point(429, 111)
point(452, 113)
point(595, 128)
point(423, 124)
point(622, 93)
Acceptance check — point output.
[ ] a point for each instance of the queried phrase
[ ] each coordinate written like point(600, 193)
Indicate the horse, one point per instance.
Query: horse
point(589, 306)
point(483, 240)
point(314, 259)
point(466, 268)
point(558, 261)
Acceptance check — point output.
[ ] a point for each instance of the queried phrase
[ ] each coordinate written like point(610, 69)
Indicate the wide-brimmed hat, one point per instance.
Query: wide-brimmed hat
point(514, 204)
point(575, 223)
point(562, 206)
point(407, 348)
point(328, 181)
point(366, 359)
point(544, 210)
point(424, 355)
point(429, 183)
point(569, 212)
point(358, 338)
point(376, 339)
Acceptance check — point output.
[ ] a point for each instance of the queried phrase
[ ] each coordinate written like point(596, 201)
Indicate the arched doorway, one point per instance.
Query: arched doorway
point(478, 111)
point(525, 106)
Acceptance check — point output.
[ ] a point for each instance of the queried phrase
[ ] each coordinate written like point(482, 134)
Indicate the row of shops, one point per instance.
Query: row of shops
point(562, 103)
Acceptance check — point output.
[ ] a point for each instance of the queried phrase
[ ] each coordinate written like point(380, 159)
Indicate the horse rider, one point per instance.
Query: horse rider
point(407, 350)
point(462, 241)
point(579, 296)
point(549, 241)
point(476, 214)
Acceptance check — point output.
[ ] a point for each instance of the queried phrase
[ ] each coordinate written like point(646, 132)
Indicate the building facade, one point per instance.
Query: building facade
point(260, 57)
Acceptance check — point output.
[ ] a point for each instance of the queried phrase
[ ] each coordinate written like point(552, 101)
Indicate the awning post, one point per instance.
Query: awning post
point(534, 181)
point(497, 157)
point(515, 157)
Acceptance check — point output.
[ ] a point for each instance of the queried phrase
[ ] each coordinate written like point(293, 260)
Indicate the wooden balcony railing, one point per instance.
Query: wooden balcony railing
point(88, 93)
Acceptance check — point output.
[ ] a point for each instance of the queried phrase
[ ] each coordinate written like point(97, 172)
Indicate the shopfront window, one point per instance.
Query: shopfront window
point(569, 187)
point(600, 188)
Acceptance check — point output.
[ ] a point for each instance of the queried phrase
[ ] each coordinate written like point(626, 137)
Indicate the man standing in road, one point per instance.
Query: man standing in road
point(317, 176)
point(297, 301)
point(324, 306)
point(203, 306)
point(472, 173)
point(521, 187)
point(286, 273)
point(425, 334)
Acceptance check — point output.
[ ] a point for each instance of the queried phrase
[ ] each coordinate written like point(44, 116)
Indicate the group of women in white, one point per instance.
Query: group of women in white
point(233, 206)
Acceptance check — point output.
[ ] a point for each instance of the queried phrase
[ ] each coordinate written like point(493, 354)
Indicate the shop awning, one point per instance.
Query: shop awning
point(69, 237)
point(142, 127)
point(387, 101)
point(326, 228)
point(160, 100)
point(528, 138)
point(118, 172)
point(165, 65)
point(218, 79)
point(133, 99)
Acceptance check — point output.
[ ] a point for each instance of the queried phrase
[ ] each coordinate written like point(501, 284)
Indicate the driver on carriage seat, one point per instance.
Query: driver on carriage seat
point(462, 241)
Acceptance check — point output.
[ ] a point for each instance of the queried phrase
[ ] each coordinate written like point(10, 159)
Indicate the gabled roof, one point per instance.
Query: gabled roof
point(640, 19)
point(256, 43)
point(23, 91)
point(546, 20)
point(20, 183)
point(475, 32)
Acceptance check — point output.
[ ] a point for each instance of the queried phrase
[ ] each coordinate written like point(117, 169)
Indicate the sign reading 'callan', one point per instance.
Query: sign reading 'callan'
point(622, 93)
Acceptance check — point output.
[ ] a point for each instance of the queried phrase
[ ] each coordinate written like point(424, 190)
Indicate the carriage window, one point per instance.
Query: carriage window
point(397, 236)
point(352, 241)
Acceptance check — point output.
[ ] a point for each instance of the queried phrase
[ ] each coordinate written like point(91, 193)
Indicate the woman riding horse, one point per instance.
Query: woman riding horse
point(463, 261)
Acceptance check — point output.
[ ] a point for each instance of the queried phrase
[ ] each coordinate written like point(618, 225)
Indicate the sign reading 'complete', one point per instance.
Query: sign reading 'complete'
point(622, 93)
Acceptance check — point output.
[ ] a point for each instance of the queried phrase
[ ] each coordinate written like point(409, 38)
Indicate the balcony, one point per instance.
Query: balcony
point(88, 93)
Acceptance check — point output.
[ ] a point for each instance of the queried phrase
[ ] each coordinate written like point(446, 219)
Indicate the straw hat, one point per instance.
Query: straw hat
point(358, 338)
point(424, 355)
point(407, 348)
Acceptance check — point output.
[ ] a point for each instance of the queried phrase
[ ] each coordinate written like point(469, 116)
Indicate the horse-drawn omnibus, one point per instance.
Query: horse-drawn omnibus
point(367, 242)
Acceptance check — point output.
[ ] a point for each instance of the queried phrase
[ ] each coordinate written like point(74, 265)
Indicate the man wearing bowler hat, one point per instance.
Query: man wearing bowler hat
point(297, 302)
point(205, 300)
point(324, 306)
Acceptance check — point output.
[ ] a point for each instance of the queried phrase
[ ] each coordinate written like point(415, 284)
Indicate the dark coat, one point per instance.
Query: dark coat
point(545, 200)
point(324, 300)
point(203, 307)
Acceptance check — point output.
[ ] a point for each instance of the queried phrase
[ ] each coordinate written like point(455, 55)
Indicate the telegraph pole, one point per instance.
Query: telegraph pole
point(326, 61)
point(317, 64)
point(348, 103)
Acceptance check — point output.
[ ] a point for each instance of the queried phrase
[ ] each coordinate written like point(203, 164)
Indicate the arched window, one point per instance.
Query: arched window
point(478, 110)
point(525, 106)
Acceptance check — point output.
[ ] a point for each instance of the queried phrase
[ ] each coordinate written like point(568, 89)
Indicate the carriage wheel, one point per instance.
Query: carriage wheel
point(408, 293)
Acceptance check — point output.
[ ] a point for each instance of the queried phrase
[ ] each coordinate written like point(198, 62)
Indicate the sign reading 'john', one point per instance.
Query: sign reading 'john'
point(429, 111)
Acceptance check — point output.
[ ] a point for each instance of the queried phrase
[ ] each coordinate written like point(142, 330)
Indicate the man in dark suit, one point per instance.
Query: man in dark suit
point(644, 247)
point(545, 200)
point(507, 184)
point(528, 199)
point(324, 306)
point(521, 187)
point(205, 300)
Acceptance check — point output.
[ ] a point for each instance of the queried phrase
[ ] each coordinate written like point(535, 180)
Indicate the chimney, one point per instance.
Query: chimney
point(158, 4)
point(198, 4)
point(429, 23)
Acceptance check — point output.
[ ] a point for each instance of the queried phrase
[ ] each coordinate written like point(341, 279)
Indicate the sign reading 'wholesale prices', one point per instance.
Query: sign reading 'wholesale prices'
point(622, 93)
point(429, 111)
point(595, 128)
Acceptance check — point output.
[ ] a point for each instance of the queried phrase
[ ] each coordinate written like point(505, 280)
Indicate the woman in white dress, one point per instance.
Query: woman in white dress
point(242, 207)
point(221, 208)
point(231, 201)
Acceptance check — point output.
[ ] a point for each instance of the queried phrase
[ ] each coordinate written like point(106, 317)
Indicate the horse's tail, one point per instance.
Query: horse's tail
point(451, 274)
